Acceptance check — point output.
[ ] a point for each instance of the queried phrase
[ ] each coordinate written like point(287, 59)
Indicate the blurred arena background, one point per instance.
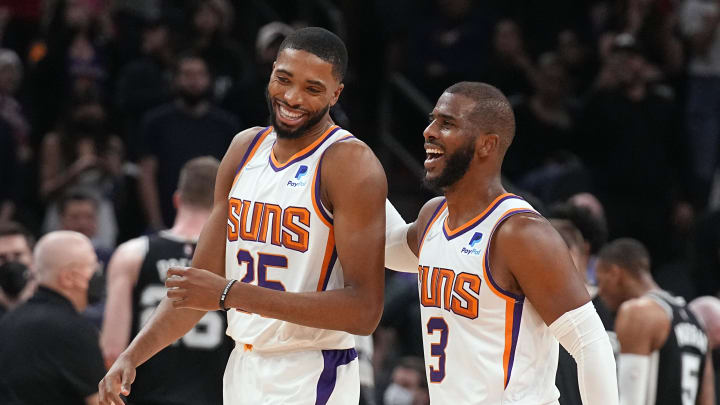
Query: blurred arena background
point(617, 105)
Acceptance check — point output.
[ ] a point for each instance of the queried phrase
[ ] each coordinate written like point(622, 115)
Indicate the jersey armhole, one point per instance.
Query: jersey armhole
point(487, 273)
point(323, 213)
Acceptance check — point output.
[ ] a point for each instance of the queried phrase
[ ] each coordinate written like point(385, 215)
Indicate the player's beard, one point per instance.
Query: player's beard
point(312, 120)
point(456, 165)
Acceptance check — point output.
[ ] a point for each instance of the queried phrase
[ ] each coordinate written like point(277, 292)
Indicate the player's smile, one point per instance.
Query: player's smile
point(434, 156)
point(288, 116)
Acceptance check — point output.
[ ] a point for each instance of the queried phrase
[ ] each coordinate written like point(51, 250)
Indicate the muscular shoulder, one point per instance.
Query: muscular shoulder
point(132, 249)
point(641, 325)
point(127, 258)
point(529, 233)
point(353, 162)
point(426, 212)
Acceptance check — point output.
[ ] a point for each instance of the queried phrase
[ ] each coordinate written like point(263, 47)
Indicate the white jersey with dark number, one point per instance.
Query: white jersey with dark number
point(280, 236)
point(483, 345)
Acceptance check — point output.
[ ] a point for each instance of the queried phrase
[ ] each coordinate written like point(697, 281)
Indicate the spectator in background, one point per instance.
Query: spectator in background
point(74, 57)
point(145, 83)
point(699, 22)
point(592, 226)
point(577, 60)
point(631, 143)
point(408, 385)
point(83, 153)
point(510, 67)
point(49, 353)
point(188, 127)
point(9, 173)
point(15, 151)
point(545, 131)
point(450, 44)
point(211, 22)
point(78, 211)
point(16, 263)
point(11, 73)
point(245, 97)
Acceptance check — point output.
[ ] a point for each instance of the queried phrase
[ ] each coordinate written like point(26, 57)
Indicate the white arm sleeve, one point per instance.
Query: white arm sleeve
point(633, 371)
point(398, 255)
point(582, 334)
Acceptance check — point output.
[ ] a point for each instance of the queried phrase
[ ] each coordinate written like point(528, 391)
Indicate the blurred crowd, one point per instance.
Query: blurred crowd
point(617, 105)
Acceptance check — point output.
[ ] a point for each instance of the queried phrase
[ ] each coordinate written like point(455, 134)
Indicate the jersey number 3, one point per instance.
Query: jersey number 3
point(438, 349)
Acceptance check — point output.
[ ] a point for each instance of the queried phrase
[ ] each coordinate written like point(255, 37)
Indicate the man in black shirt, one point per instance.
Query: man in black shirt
point(188, 127)
point(663, 349)
point(191, 370)
point(48, 351)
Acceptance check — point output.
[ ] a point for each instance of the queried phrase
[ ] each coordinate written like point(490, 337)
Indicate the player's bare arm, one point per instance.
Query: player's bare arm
point(528, 257)
point(168, 324)
point(357, 201)
point(402, 240)
point(642, 327)
point(122, 271)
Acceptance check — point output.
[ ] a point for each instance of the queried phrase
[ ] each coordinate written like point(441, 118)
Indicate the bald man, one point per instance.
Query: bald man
point(707, 309)
point(49, 353)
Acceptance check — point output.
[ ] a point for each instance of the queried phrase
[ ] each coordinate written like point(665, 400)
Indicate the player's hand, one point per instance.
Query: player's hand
point(117, 381)
point(189, 287)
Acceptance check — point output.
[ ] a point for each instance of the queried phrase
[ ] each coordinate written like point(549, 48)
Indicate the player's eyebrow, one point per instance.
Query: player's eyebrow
point(432, 116)
point(283, 71)
point(316, 83)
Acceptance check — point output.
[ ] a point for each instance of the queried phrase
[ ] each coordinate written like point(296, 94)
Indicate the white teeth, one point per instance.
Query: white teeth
point(287, 114)
point(435, 151)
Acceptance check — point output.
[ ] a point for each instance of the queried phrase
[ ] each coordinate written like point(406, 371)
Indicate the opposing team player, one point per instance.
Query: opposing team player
point(663, 349)
point(189, 371)
point(493, 274)
point(299, 222)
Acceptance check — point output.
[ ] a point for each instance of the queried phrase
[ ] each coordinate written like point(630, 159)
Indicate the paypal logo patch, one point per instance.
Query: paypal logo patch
point(301, 173)
point(476, 238)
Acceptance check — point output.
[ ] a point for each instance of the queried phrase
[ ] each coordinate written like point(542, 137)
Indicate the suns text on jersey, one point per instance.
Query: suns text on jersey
point(454, 292)
point(288, 227)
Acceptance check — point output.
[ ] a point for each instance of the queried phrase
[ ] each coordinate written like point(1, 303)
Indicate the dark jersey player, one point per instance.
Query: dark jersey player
point(137, 273)
point(663, 348)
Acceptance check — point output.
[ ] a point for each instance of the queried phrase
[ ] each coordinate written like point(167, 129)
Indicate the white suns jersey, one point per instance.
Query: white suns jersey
point(280, 236)
point(483, 345)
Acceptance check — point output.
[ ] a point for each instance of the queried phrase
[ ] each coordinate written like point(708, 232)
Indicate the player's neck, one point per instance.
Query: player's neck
point(285, 148)
point(644, 286)
point(470, 196)
point(189, 222)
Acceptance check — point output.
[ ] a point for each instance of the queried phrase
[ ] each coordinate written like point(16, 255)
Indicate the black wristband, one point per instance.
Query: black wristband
point(224, 295)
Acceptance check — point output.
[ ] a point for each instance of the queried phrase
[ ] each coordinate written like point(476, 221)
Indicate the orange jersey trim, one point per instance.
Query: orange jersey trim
point(251, 154)
point(304, 150)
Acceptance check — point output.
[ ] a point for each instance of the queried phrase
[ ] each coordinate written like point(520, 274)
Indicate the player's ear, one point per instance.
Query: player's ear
point(336, 94)
point(486, 144)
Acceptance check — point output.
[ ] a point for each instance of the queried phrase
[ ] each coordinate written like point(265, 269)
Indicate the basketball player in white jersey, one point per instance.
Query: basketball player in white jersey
point(498, 288)
point(293, 247)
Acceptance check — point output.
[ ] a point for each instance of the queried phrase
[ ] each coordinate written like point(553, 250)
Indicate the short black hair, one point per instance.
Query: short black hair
point(493, 112)
point(628, 254)
point(190, 55)
point(593, 229)
point(76, 195)
point(321, 43)
point(12, 228)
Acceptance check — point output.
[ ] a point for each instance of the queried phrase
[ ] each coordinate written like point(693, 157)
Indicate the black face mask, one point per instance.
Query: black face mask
point(13, 278)
point(96, 288)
